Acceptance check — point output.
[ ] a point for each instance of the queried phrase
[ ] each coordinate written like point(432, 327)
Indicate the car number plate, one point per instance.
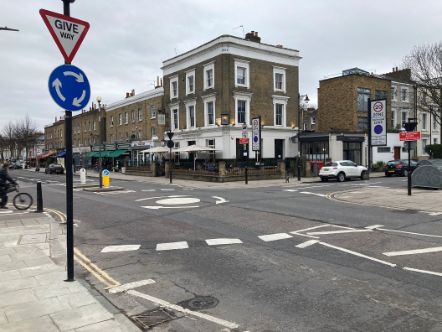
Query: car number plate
point(325, 169)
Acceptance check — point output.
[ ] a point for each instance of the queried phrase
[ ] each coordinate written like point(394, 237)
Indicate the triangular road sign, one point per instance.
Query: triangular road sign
point(68, 32)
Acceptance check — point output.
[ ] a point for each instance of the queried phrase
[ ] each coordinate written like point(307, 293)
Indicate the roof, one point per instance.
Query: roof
point(146, 95)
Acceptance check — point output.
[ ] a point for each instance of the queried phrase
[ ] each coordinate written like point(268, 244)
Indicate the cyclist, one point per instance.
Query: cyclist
point(4, 179)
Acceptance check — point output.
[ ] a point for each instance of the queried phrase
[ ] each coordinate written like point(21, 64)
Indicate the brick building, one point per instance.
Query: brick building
point(212, 91)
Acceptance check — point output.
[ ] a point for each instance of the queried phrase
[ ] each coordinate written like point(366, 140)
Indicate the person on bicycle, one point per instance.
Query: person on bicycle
point(4, 179)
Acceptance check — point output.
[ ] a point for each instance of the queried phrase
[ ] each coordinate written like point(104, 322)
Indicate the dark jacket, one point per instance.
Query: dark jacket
point(5, 178)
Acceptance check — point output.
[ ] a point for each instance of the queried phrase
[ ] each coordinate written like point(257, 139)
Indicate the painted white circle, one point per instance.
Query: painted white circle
point(178, 201)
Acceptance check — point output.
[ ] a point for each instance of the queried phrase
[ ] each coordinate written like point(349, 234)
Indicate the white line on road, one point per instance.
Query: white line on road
point(423, 271)
point(274, 237)
point(306, 244)
point(430, 213)
point(175, 307)
point(357, 254)
point(157, 207)
point(158, 197)
point(220, 200)
point(148, 190)
point(373, 226)
point(216, 242)
point(291, 190)
point(172, 245)
point(340, 232)
point(412, 252)
point(130, 285)
point(315, 194)
point(167, 189)
point(412, 233)
point(115, 192)
point(309, 229)
point(122, 248)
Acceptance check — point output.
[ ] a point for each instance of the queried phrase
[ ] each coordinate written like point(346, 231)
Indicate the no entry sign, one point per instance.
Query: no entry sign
point(410, 135)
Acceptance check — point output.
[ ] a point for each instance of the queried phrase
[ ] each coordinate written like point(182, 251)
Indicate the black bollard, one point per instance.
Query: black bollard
point(246, 172)
point(39, 198)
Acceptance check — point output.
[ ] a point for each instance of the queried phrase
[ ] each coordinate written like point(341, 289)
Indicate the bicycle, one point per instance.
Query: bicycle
point(21, 201)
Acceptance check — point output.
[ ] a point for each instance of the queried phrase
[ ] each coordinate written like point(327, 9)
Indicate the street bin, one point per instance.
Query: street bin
point(83, 175)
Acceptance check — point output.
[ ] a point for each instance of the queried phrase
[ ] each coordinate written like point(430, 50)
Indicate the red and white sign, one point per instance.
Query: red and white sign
point(243, 140)
point(410, 135)
point(68, 32)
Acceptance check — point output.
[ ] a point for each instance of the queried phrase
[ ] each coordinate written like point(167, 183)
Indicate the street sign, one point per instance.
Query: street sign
point(378, 122)
point(69, 87)
point(243, 140)
point(256, 134)
point(410, 135)
point(68, 32)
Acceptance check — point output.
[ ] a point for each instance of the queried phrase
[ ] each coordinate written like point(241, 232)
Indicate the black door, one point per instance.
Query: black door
point(279, 149)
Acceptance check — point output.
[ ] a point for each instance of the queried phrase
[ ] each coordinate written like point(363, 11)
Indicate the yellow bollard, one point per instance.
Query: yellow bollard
point(105, 177)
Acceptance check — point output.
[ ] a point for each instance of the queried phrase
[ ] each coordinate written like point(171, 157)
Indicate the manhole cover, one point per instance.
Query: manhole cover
point(200, 303)
point(154, 317)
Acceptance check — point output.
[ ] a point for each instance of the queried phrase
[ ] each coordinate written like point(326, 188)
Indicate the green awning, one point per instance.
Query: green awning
point(116, 153)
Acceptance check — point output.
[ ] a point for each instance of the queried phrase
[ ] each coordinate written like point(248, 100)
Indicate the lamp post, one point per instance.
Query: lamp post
point(300, 129)
point(100, 177)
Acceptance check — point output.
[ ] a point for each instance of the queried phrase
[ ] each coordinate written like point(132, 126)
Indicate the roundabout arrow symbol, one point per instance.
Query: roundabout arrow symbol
point(78, 77)
point(57, 85)
point(77, 101)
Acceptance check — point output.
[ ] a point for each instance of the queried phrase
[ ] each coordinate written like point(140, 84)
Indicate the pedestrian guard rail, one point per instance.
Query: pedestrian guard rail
point(428, 174)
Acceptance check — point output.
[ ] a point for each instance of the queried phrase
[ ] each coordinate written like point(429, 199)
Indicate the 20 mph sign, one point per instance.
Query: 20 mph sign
point(68, 32)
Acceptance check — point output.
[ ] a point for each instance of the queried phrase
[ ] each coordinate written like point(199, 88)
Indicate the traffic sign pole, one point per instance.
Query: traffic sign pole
point(69, 181)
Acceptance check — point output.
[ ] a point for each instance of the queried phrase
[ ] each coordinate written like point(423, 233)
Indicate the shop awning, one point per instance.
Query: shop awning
point(116, 153)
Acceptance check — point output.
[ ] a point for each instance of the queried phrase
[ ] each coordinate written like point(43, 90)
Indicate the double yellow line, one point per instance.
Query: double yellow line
point(85, 262)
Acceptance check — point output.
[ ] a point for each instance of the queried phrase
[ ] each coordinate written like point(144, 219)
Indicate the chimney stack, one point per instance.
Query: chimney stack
point(253, 36)
point(132, 92)
point(127, 94)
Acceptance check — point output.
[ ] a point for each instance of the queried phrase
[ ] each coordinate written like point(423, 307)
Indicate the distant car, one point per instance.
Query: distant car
point(54, 168)
point(399, 167)
point(342, 170)
point(15, 165)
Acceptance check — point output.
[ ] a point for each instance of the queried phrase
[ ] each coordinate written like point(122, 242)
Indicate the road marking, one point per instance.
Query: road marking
point(291, 190)
point(115, 192)
point(373, 226)
point(168, 189)
point(315, 194)
point(340, 232)
point(412, 252)
point(158, 197)
point(220, 200)
point(6, 212)
point(130, 285)
point(175, 307)
point(274, 237)
point(172, 246)
point(423, 271)
point(431, 213)
point(357, 254)
point(412, 233)
point(145, 190)
point(306, 244)
point(217, 242)
point(122, 248)
point(309, 229)
point(157, 207)
point(178, 201)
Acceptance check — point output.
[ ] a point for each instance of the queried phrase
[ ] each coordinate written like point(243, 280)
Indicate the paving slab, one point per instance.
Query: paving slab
point(41, 324)
point(79, 317)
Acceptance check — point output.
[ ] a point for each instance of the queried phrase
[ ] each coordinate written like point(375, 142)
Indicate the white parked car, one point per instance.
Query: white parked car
point(342, 170)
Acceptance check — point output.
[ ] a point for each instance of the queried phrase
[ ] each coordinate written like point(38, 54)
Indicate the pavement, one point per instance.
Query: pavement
point(35, 296)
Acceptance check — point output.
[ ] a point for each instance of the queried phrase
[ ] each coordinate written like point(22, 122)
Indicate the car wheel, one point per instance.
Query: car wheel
point(364, 175)
point(324, 179)
point(341, 177)
point(405, 172)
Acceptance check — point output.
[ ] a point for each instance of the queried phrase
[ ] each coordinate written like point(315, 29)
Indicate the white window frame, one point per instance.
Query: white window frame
point(246, 65)
point(280, 70)
point(406, 94)
point(140, 115)
point(188, 105)
point(172, 80)
point(207, 67)
point(126, 118)
point(207, 100)
point(247, 98)
point(120, 119)
point(283, 101)
point(190, 74)
point(394, 93)
point(172, 122)
point(112, 123)
point(424, 121)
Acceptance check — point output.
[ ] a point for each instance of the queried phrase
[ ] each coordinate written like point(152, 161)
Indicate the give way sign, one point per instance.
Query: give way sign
point(68, 32)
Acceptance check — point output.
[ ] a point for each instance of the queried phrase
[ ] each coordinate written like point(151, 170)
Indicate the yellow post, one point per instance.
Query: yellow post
point(106, 178)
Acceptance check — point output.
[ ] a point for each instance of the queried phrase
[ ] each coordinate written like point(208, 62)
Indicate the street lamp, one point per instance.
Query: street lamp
point(100, 176)
point(300, 129)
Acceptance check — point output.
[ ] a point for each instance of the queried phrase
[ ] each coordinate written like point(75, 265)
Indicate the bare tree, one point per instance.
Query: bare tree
point(425, 63)
point(25, 134)
point(9, 138)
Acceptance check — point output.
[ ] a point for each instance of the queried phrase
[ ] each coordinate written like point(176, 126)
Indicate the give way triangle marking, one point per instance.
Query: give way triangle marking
point(68, 32)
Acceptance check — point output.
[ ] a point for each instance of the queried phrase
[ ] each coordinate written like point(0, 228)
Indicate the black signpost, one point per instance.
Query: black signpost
point(409, 126)
point(170, 145)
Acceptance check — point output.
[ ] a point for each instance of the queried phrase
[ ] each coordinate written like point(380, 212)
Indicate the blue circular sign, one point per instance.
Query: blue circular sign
point(69, 87)
point(105, 172)
point(378, 129)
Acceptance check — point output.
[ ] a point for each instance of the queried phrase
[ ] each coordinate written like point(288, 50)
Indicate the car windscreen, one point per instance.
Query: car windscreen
point(331, 164)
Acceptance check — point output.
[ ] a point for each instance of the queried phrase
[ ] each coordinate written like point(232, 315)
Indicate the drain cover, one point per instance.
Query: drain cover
point(154, 317)
point(200, 303)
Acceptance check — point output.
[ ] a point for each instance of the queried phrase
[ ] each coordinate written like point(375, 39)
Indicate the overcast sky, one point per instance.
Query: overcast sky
point(128, 40)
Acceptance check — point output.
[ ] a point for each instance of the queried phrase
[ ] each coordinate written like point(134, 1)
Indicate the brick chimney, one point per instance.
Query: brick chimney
point(253, 36)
